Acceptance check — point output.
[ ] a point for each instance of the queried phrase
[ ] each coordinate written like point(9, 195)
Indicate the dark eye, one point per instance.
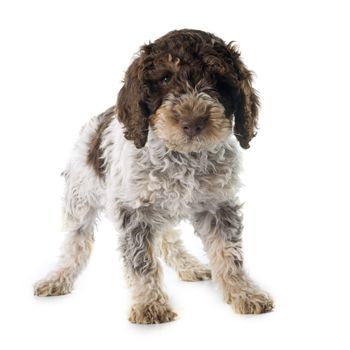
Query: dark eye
point(166, 79)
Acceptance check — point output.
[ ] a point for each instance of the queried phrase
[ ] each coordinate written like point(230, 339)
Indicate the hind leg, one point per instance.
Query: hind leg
point(76, 251)
point(79, 221)
point(175, 255)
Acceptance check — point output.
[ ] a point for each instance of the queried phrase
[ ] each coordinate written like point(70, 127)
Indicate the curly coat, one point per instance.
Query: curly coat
point(166, 153)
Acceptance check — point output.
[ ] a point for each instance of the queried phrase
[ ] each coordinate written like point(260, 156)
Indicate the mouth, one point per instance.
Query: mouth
point(197, 143)
point(188, 144)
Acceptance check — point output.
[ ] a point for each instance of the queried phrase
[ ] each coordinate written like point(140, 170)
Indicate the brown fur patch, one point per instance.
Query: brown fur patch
point(178, 63)
point(94, 157)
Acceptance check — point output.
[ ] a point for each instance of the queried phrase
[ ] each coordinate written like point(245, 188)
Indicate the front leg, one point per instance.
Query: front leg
point(143, 271)
point(220, 231)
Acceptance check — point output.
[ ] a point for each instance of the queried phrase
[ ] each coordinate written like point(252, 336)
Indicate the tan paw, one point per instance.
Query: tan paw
point(200, 273)
point(151, 313)
point(52, 287)
point(253, 303)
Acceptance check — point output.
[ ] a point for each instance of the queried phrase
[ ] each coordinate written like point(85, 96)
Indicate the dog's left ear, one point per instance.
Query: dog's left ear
point(244, 101)
point(131, 105)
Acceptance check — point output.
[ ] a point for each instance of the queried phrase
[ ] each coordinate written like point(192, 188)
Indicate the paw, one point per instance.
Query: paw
point(151, 313)
point(200, 273)
point(253, 302)
point(52, 286)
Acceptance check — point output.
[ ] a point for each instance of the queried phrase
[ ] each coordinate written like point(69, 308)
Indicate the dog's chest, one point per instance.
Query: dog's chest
point(180, 183)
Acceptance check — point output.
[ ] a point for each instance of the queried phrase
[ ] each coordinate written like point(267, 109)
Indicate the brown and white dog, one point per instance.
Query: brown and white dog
point(167, 151)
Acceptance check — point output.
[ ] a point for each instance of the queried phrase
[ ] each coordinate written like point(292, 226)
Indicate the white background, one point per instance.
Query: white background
point(62, 62)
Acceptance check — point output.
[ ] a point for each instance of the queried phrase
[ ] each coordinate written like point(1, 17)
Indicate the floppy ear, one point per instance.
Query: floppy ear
point(244, 99)
point(131, 106)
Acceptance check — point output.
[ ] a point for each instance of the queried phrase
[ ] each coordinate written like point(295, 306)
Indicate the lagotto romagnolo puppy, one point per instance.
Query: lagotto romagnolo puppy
point(167, 151)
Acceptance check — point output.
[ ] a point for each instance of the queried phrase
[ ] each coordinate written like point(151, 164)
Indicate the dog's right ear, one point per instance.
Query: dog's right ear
point(247, 100)
point(131, 106)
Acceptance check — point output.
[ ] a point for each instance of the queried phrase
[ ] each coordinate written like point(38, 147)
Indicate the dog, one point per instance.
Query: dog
point(168, 150)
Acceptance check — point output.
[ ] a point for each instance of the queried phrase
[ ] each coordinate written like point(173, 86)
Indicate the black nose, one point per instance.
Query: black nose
point(193, 127)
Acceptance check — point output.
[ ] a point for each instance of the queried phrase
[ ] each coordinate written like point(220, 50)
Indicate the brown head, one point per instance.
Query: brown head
point(192, 89)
